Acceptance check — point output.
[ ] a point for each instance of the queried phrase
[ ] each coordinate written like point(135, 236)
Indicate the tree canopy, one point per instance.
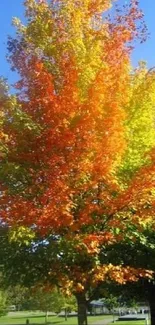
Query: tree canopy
point(77, 140)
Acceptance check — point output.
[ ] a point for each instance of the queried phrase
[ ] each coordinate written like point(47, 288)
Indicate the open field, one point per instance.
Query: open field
point(35, 318)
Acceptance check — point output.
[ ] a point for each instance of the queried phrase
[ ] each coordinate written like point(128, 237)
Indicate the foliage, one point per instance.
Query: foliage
point(3, 303)
point(16, 296)
point(77, 169)
point(111, 302)
point(39, 298)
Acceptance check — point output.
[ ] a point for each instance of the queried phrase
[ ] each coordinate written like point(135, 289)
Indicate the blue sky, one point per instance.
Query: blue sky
point(12, 8)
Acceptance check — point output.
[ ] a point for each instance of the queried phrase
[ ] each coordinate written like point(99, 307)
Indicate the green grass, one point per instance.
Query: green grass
point(20, 319)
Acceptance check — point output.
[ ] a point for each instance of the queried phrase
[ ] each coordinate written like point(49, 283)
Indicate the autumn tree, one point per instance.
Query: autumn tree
point(77, 163)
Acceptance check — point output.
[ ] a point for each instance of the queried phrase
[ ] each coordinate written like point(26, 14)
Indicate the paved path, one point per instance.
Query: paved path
point(103, 322)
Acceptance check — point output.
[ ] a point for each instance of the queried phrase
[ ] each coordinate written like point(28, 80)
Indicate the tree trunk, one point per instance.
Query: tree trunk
point(151, 298)
point(113, 316)
point(82, 308)
point(66, 314)
point(46, 317)
point(152, 312)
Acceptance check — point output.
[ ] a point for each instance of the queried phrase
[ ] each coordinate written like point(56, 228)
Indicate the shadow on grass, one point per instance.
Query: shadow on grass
point(35, 316)
point(30, 323)
point(41, 316)
point(50, 322)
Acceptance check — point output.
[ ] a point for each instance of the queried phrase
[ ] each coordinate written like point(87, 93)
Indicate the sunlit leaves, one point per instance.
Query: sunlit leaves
point(21, 235)
point(78, 138)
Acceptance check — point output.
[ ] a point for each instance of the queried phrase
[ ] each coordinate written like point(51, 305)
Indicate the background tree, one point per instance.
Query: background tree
point(111, 303)
point(3, 303)
point(16, 296)
point(49, 300)
point(78, 169)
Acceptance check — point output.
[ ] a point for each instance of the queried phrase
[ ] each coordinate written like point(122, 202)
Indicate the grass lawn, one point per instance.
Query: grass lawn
point(20, 319)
